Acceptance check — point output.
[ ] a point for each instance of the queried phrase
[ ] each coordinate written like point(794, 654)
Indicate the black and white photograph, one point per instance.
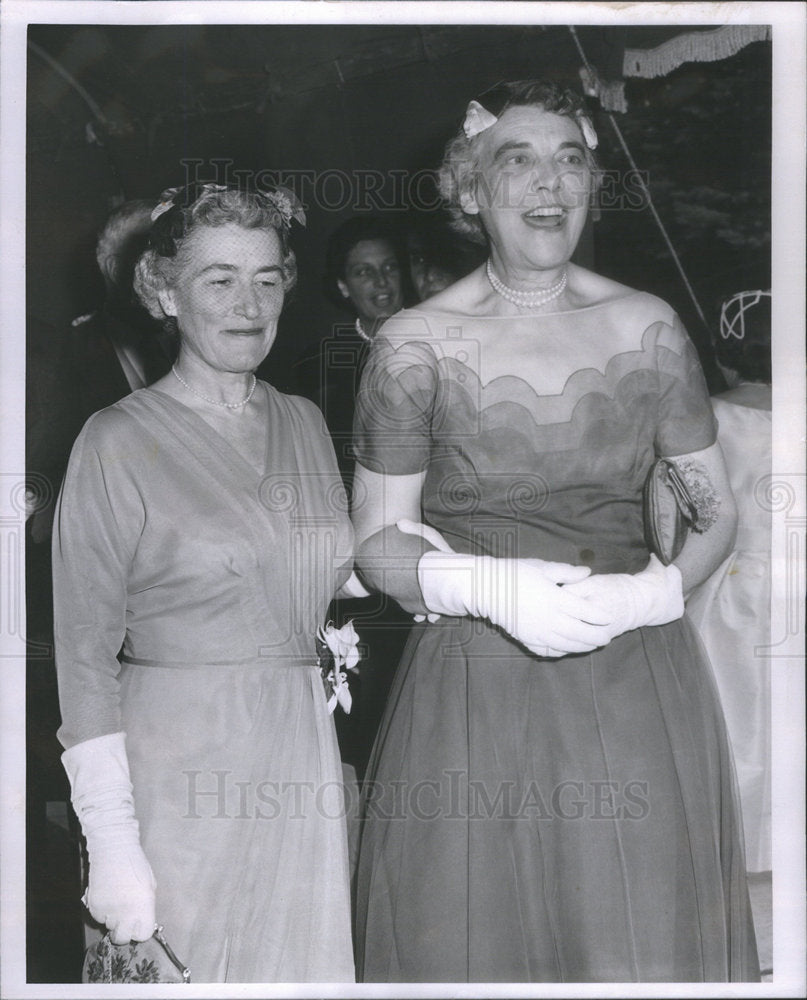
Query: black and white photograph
point(402, 489)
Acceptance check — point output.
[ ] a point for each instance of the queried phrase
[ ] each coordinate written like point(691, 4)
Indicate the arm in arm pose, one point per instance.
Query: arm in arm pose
point(522, 596)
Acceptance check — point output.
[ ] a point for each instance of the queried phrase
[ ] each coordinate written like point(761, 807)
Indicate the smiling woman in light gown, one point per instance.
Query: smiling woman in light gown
point(201, 534)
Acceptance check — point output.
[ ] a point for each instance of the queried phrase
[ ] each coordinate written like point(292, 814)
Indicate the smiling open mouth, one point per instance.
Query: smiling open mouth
point(545, 216)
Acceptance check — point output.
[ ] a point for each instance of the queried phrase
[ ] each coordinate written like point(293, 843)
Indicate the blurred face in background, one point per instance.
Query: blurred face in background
point(428, 275)
point(372, 280)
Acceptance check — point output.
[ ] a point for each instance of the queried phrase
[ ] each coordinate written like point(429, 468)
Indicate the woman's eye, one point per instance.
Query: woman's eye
point(574, 159)
point(516, 160)
point(221, 281)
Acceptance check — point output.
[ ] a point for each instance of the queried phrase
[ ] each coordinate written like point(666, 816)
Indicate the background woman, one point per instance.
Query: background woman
point(550, 796)
point(438, 256)
point(732, 608)
point(364, 275)
point(199, 533)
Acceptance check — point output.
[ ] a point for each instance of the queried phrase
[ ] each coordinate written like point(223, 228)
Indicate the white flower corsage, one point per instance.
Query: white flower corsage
point(337, 648)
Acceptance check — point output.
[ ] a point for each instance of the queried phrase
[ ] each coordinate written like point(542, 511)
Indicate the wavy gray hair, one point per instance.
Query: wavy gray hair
point(160, 266)
point(458, 172)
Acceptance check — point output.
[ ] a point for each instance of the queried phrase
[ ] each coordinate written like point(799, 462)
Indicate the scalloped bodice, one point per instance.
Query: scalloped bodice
point(536, 433)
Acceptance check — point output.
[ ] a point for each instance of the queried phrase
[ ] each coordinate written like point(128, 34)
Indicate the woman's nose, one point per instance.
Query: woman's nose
point(545, 176)
point(382, 279)
point(247, 303)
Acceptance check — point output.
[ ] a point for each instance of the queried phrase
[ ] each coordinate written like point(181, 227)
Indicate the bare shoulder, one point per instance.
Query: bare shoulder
point(464, 298)
point(629, 306)
point(430, 319)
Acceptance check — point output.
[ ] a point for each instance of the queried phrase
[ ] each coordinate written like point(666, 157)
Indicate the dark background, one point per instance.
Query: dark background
point(337, 100)
point(113, 111)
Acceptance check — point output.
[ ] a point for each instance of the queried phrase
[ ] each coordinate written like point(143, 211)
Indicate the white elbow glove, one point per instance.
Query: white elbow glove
point(652, 597)
point(521, 596)
point(121, 884)
point(433, 537)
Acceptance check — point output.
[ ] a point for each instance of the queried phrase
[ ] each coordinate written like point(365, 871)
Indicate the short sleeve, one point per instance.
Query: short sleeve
point(686, 422)
point(394, 407)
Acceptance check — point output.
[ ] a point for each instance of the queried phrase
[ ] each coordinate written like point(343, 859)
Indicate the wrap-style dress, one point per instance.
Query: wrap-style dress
point(189, 584)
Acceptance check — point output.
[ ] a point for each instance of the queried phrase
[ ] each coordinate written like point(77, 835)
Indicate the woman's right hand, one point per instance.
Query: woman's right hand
point(524, 597)
point(121, 886)
point(120, 893)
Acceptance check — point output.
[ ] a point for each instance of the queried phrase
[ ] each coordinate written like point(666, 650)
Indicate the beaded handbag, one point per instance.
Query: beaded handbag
point(150, 961)
point(669, 511)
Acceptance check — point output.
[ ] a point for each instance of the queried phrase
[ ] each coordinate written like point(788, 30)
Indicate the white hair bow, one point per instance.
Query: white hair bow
point(477, 119)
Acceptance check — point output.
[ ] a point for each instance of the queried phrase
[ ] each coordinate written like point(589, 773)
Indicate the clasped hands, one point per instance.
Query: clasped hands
point(551, 608)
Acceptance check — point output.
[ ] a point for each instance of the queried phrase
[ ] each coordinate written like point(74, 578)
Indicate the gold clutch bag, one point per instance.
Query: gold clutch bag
point(669, 511)
point(150, 961)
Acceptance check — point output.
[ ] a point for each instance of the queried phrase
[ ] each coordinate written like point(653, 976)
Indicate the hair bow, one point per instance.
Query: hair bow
point(589, 135)
point(477, 119)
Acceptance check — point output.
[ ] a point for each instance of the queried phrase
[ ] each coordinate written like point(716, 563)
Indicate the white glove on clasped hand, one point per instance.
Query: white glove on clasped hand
point(652, 597)
point(433, 537)
point(121, 884)
point(521, 596)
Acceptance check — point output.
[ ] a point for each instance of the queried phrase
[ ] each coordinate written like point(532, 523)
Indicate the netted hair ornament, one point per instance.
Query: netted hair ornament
point(279, 206)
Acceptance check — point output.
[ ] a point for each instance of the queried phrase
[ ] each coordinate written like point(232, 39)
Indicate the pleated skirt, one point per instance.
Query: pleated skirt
point(238, 790)
point(536, 820)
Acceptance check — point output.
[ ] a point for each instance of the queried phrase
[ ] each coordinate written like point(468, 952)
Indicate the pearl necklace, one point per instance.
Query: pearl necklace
point(527, 300)
point(216, 402)
point(360, 331)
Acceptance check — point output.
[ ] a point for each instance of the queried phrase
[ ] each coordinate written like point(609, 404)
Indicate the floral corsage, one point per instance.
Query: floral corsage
point(337, 648)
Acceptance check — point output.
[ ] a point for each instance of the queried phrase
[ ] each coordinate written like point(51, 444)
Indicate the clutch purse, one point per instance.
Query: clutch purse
point(150, 961)
point(669, 511)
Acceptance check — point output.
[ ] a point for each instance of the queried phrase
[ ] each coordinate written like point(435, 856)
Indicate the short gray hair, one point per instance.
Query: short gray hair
point(457, 174)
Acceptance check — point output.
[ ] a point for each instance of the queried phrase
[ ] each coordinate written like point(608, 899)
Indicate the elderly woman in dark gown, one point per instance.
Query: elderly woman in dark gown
point(551, 795)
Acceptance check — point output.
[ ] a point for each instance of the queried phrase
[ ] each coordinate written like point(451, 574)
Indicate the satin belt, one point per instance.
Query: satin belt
point(268, 660)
